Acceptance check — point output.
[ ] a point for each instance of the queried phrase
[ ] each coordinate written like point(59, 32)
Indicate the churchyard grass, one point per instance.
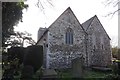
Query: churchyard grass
point(95, 74)
point(87, 74)
point(67, 75)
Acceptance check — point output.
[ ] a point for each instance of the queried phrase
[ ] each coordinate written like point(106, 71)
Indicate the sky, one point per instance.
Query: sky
point(34, 17)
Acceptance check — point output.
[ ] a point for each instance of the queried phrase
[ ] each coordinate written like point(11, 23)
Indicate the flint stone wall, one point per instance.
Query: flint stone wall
point(98, 45)
point(93, 45)
point(61, 54)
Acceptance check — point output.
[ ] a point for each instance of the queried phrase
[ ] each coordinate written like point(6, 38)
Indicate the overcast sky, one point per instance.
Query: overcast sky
point(34, 18)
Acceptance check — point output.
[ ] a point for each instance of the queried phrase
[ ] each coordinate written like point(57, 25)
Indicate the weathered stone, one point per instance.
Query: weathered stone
point(78, 67)
point(49, 73)
point(101, 69)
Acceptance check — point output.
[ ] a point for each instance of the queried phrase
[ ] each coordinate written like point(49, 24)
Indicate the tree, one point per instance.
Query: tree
point(11, 15)
point(119, 53)
point(42, 4)
point(18, 39)
point(115, 52)
point(114, 3)
point(16, 43)
point(16, 53)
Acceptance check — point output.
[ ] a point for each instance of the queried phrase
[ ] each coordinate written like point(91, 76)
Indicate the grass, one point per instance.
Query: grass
point(67, 75)
point(87, 74)
point(0, 73)
point(95, 74)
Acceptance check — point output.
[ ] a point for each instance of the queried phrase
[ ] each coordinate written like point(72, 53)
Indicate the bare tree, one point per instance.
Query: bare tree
point(114, 4)
point(42, 4)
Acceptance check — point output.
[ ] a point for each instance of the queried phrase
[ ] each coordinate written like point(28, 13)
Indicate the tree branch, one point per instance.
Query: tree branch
point(41, 4)
point(112, 13)
point(114, 3)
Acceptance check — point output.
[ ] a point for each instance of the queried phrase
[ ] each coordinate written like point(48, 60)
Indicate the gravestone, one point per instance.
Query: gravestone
point(49, 73)
point(78, 67)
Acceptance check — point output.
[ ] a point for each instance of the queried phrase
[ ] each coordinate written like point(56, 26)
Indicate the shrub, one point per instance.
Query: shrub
point(27, 73)
point(16, 52)
point(34, 57)
point(119, 68)
point(112, 77)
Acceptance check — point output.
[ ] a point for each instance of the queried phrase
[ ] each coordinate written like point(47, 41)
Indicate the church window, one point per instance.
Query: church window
point(69, 36)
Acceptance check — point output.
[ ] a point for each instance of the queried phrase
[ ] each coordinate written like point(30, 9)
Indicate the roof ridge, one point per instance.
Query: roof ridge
point(89, 21)
point(103, 28)
point(54, 22)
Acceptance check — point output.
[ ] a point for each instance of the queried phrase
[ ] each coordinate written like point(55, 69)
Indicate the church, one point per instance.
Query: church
point(66, 39)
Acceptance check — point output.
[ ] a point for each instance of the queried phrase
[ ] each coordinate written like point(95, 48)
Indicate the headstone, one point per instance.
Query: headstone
point(49, 73)
point(77, 67)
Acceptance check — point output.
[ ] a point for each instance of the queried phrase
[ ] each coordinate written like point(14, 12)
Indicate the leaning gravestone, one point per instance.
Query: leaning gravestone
point(77, 67)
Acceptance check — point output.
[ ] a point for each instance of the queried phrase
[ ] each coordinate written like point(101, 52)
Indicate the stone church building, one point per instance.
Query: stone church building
point(66, 39)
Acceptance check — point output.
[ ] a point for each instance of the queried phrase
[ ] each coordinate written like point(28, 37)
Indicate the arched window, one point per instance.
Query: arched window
point(94, 48)
point(69, 36)
point(102, 46)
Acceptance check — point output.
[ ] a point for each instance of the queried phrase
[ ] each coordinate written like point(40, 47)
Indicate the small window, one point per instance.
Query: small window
point(69, 36)
point(102, 46)
point(94, 48)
